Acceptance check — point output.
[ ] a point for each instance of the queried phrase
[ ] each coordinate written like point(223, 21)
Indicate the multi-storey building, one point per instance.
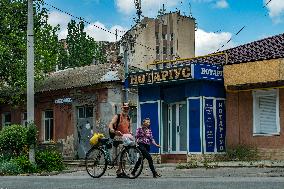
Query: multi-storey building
point(169, 36)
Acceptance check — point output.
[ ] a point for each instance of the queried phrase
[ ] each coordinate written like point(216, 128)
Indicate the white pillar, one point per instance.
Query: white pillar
point(30, 64)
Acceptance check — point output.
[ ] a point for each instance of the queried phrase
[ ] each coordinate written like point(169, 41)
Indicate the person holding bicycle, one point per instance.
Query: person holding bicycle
point(119, 125)
point(144, 138)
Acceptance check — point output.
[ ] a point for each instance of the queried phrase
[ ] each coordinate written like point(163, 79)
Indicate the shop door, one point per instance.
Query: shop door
point(178, 127)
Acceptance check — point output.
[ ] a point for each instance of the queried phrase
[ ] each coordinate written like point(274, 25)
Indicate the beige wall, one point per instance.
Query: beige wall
point(254, 72)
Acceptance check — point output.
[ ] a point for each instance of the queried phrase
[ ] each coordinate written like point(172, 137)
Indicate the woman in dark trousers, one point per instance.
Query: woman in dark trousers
point(144, 139)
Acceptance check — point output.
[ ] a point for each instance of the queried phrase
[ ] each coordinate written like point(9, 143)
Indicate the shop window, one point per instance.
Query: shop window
point(266, 112)
point(48, 125)
point(6, 118)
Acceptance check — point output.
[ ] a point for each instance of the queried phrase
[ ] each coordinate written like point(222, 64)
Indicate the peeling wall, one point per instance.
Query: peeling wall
point(68, 147)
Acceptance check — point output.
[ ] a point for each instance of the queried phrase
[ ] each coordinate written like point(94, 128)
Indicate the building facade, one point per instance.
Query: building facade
point(170, 36)
point(186, 105)
point(253, 77)
point(72, 104)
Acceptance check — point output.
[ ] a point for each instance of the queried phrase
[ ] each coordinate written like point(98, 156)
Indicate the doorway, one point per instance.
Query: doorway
point(177, 120)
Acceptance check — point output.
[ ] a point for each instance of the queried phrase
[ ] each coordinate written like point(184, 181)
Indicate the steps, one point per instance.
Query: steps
point(173, 158)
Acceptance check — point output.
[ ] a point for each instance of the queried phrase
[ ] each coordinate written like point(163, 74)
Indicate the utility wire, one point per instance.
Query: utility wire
point(80, 18)
point(237, 32)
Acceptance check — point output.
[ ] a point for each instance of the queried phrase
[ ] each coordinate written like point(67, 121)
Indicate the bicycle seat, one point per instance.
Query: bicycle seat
point(103, 140)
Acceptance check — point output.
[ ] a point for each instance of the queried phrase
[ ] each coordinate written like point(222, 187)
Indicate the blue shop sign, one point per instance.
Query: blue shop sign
point(176, 73)
point(208, 72)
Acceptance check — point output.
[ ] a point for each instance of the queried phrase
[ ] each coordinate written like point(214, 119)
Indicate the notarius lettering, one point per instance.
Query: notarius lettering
point(211, 72)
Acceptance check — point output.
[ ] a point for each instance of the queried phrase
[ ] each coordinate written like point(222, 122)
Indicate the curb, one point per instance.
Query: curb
point(233, 164)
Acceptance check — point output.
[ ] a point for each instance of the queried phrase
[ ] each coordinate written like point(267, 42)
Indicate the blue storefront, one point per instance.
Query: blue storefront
point(186, 105)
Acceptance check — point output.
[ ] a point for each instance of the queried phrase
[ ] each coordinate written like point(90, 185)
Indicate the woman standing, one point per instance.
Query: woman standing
point(144, 139)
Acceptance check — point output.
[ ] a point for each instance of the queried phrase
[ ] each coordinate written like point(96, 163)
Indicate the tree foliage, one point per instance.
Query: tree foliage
point(13, 46)
point(49, 52)
point(82, 49)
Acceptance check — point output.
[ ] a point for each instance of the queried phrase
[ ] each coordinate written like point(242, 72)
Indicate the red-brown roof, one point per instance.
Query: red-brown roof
point(264, 49)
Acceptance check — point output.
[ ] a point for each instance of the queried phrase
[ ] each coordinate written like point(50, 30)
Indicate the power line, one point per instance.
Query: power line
point(80, 18)
point(237, 32)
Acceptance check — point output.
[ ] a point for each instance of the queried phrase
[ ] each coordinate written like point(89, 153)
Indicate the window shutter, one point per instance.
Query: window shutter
point(267, 115)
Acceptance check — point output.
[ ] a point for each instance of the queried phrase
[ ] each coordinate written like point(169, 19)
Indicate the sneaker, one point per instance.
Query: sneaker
point(156, 175)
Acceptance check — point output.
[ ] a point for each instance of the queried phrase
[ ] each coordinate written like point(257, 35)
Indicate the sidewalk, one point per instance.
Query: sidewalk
point(263, 163)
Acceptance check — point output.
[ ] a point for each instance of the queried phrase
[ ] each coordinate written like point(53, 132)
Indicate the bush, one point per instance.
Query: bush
point(9, 168)
point(13, 139)
point(5, 157)
point(24, 163)
point(242, 153)
point(49, 161)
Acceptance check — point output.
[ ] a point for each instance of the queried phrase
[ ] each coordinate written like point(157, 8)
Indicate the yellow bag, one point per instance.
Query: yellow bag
point(95, 138)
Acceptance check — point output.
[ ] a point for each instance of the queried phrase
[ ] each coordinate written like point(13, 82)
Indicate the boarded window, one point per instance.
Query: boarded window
point(266, 112)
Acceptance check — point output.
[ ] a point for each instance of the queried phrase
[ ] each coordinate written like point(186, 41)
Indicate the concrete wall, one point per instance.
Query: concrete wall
point(239, 116)
point(106, 102)
point(183, 43)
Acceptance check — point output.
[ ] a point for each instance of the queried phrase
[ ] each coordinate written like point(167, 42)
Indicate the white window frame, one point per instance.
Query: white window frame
point(24, 121)
point(50, 119)
point(256, 95)
point(4, 123)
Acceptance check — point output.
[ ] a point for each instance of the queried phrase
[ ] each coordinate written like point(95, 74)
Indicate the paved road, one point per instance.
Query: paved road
point(221, 178)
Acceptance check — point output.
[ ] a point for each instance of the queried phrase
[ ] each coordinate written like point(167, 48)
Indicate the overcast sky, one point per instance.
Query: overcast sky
point(217, 20)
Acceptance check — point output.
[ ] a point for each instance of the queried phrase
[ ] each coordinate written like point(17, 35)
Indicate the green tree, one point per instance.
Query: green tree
point(82, 49)
point(13, 47)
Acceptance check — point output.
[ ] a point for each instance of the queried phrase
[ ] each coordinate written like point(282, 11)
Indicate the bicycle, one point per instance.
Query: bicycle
point(98, 158)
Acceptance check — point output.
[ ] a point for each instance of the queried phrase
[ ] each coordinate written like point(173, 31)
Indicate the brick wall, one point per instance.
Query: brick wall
point(239, 116)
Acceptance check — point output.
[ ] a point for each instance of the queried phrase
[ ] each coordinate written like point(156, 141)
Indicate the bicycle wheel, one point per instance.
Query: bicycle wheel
point(132, 161)
point(95, 162)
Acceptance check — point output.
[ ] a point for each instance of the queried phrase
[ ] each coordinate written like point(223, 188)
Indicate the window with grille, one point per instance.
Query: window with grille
point(266, 112)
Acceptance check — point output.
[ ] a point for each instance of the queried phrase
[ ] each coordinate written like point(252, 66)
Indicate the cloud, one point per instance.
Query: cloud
point(57, 18)
point(149, 7)
point(100, 35)
point(222, 4)
point(209, 42)
point(276, 9)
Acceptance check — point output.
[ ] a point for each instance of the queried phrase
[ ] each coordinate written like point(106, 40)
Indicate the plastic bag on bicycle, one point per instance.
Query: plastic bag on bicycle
point(128, 140)
point(95, 139)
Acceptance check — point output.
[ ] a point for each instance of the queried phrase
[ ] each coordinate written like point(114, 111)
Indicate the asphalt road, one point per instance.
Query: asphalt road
point(221, 178)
